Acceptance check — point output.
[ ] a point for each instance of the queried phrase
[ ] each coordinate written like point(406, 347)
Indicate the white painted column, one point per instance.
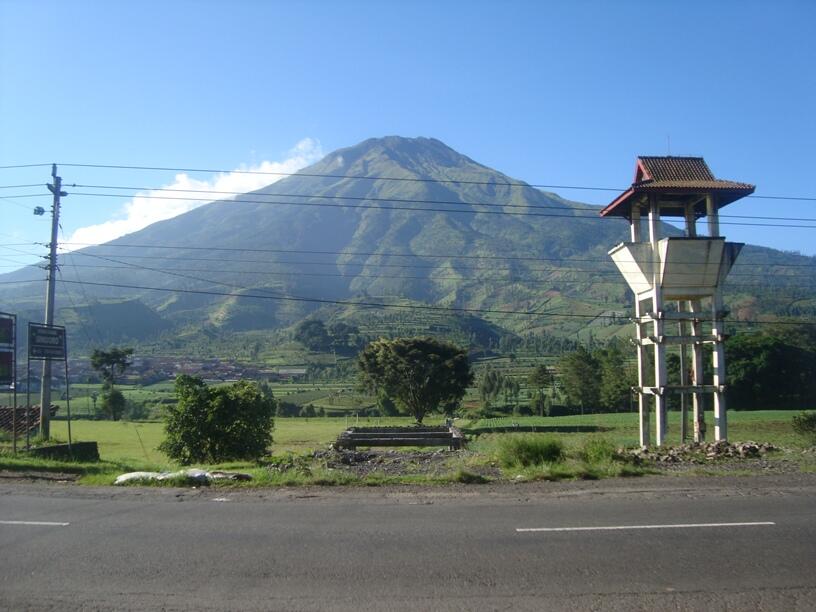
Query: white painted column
point(657, 308)
point(717, 330)
point(643, 400)
point(697, 374)
point(696, 330)
point(634, 225)
point(691, 222)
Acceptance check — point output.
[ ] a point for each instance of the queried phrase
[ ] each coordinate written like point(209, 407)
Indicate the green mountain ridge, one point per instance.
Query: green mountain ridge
point(353, 234)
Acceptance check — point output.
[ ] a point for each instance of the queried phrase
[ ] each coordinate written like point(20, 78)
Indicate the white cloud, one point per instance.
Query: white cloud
point(143, 210)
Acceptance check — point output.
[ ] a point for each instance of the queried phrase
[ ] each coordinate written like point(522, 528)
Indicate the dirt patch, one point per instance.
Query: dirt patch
point(35, 476)
point(397, 463)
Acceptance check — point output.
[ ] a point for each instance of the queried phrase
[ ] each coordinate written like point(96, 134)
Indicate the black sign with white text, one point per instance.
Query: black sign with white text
point(46, 342)
point(6, 329)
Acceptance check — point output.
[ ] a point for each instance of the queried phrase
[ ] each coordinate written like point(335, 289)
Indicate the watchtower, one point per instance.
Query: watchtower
point(687, 269)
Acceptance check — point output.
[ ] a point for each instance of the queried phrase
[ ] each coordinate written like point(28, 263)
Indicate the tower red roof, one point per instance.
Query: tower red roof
point(676, 181)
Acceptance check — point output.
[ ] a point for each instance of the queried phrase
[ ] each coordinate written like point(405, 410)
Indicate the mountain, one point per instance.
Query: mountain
point(390, 220)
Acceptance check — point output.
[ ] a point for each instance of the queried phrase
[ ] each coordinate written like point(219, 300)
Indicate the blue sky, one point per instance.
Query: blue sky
point(548, 92)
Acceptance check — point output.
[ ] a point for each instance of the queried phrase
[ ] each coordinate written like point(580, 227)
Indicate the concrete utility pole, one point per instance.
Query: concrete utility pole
point(45, 388)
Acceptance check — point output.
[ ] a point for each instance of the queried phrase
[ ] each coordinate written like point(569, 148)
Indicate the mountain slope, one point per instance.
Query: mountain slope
point(390, 218)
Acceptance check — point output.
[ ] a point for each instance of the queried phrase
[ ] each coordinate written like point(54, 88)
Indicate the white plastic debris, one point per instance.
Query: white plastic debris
point(136, 476)
point(192, 475)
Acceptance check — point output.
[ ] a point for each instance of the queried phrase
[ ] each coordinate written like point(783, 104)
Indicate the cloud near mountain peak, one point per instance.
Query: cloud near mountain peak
point(146, 208)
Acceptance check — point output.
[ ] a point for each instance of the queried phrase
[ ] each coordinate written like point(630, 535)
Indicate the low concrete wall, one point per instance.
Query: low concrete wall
point(400, 436)
point(78, 451)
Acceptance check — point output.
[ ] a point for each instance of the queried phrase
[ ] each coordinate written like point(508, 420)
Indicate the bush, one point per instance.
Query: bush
point(597, 450)
point(135, 411)
point(113, 403)
point(211, 425)
point(805, 424)
point(529, 450)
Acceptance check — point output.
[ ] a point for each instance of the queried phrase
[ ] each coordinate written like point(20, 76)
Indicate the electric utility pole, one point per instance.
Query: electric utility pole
point(45, 388)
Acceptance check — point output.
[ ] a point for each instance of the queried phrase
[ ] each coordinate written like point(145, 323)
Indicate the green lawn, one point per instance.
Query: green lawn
point(128, 446)
point(138, 441)
point(118, 441)
point(772, 426)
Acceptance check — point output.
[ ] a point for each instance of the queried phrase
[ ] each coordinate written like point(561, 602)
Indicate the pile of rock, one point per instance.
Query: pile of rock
point(388, 463)
point(342, 456)
point(698, 453)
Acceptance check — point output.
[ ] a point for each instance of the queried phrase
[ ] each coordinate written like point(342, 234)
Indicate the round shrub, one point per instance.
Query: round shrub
point(524, 451)
point(215, 424)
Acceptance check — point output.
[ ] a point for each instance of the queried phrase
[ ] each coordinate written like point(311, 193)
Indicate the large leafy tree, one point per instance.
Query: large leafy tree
point(421, 374)
point(540, 378)
point(490, 385)
point(215, 424)
point(580, 377)
point(618, 376)
point(111, 364)
point(767, 371)
point(313, 335)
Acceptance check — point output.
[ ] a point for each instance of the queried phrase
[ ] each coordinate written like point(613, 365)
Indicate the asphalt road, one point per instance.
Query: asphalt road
point(752, 547)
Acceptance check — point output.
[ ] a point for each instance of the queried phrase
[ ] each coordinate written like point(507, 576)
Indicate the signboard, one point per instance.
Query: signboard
point(6, 368)
point(8, 349)
point(46, 341)
point(6, 329)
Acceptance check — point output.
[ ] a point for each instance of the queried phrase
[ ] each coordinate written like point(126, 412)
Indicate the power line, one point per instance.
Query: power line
point(23, 166)
point(339, 176)
point(493, 183)
point(549, 270)
point(376, 199)
point(315, 196)
point(577, 213)
point(87, 301)
point(82, 326)
point(594, 216)
point(512, 279)
point(605, 261)
point(396, 306)
point(11, 200)
point(554, 270)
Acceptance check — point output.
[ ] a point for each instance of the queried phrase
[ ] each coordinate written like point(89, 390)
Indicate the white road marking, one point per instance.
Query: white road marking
point(221, 499)
point(35, 523)
point(624, 527)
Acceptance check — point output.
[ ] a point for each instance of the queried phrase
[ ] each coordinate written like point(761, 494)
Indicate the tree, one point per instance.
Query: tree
point(490, 385)
point(421, 374)
point(113, 403)
point(313, 335)
point(343, 336)
point(215, 424)
point(766, 371)
point(580, 378)
point(617, 377)
point(541, 377)
point(111, 364)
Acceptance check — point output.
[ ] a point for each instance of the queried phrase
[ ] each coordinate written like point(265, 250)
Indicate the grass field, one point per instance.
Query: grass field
point(130, 446)
point(138, 441)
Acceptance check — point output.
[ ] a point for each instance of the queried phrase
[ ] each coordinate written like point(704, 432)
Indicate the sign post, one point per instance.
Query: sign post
point(47, 343)
point(8, 365)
